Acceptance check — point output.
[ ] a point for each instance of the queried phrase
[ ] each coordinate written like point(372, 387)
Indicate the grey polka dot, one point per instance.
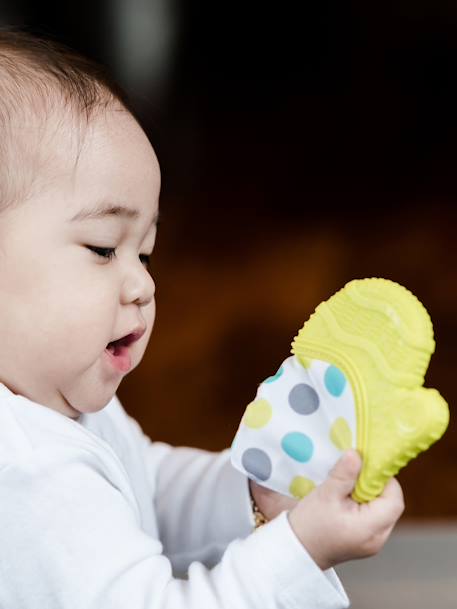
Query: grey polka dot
point(303, 399)
point(257, 463)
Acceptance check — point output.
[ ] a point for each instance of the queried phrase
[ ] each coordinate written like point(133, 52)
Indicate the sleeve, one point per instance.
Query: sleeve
point(70, 539)
point(201, 501)
point(202, 504)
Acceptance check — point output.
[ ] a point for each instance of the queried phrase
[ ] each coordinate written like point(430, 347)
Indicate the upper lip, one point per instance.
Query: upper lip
point(131, 337)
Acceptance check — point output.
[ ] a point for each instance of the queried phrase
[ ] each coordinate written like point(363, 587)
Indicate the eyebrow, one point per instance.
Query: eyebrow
point(106, 210)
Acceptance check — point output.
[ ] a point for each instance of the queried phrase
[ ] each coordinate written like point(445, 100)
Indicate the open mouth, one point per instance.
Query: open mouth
point(115, 347)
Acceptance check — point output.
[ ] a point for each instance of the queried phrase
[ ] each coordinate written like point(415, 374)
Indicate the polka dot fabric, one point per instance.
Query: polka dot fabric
point(296, 428)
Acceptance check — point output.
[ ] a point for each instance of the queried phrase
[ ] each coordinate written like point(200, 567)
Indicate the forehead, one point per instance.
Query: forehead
point(116, 173)
point(103, 210)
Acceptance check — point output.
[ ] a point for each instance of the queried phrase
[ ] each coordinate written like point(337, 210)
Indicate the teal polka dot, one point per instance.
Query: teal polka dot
point(298, 446)
point(275, 377)
point(335, 381)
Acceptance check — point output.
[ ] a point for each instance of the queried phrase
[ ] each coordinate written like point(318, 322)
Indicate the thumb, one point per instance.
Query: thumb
point(343, 476)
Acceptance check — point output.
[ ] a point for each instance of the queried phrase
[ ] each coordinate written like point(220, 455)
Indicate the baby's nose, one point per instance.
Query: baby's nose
point(138, 287)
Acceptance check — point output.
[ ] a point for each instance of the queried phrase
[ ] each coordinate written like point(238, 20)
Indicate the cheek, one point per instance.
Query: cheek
point(79, 313)
point(50, 304)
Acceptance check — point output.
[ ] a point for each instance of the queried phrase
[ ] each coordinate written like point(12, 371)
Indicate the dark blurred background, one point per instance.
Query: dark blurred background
point(301, 146)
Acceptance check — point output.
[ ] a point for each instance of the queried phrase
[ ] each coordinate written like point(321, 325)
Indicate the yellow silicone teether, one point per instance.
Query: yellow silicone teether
point(381, 337)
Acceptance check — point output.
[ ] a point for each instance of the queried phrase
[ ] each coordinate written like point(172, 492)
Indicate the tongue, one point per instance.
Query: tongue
point(120, 356)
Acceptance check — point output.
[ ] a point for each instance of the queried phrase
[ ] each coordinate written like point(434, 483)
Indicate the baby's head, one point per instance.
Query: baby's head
point(70, 149)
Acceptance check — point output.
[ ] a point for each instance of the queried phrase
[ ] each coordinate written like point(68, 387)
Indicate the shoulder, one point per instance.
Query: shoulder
point(62, 473)
point(42, 448)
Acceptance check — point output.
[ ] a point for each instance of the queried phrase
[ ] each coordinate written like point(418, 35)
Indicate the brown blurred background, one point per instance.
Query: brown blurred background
point(299, 150)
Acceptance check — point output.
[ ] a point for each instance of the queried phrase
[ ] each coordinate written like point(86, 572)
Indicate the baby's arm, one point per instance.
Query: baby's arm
point(202, 504)
point(201, 501)
point(74, 534)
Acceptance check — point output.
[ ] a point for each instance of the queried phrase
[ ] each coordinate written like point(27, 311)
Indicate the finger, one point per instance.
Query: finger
point(342, 478)
point(271, 501)
point(386, 509)
point(393, 494)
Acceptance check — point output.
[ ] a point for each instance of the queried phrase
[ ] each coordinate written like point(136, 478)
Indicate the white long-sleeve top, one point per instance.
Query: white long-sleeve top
point(94, 515)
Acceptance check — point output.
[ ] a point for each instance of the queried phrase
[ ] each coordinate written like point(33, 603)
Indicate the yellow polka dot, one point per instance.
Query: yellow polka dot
point(257, 414)
point(301, 486)
point(340, 434)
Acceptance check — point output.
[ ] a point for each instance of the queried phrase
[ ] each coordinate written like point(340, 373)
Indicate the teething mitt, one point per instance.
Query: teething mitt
point(354, 381)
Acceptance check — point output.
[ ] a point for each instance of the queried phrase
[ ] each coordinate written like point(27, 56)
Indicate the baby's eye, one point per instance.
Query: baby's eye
point(110, 252)
point(103, 252)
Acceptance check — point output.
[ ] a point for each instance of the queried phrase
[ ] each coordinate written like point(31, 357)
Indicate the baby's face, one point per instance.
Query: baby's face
point(61, 303)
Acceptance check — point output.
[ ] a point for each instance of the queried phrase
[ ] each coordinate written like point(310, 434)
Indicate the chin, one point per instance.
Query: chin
point(83, 402)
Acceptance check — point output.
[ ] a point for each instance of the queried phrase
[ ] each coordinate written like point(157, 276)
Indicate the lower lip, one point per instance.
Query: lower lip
point(122, 360)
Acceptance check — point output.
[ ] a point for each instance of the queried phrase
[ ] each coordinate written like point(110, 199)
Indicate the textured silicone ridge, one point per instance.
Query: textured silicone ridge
point(381, 337)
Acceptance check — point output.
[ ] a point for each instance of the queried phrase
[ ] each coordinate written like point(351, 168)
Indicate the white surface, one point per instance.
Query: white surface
point(416, 569)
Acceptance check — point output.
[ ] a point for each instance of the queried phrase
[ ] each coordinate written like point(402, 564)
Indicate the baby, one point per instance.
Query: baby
point(93, 513)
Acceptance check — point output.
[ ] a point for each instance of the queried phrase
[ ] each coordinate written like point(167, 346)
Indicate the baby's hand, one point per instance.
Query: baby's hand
point(334, 528)
point(269, 502)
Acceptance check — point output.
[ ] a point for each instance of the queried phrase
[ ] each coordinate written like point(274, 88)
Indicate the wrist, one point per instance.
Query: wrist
point(308, 540)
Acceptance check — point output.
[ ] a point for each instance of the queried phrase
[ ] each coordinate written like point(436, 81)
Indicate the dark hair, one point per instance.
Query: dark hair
point(40, 77)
